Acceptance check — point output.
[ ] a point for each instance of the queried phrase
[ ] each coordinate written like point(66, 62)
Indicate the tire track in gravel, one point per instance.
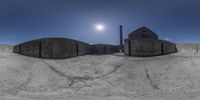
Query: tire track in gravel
point(75, 79)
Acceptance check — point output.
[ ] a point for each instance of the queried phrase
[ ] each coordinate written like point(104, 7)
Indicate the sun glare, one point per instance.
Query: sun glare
point(100, 27)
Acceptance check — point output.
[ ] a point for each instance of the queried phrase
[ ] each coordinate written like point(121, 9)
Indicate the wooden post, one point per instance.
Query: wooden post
point(129, 47)
point(40, 50)
point(121, 38)
point(77, 49)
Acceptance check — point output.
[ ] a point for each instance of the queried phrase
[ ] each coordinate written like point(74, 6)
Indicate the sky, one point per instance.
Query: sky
point(23, 20)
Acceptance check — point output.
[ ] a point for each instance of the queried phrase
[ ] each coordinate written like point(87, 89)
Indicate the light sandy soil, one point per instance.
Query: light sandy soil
point(102, 77)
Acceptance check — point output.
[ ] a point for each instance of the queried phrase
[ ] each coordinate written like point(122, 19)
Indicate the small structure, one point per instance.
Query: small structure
point(144, 42)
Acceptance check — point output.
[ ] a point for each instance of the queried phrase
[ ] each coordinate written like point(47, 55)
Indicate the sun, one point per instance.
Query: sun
point(100, 27)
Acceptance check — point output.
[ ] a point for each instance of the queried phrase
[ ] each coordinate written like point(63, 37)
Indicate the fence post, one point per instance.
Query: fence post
point(77, 49)
point(162, 48)
point(19, 49)
point(104, 50)
point(129, 47)
point(40, 49)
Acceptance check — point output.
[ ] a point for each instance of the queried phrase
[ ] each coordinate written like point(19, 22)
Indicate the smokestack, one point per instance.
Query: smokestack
point(121, 38)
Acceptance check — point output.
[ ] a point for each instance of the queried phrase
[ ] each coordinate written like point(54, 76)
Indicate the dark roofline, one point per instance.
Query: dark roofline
point(144, 28)
point(47, 38)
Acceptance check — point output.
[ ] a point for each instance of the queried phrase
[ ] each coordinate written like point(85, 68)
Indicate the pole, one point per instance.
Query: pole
point(174, 37)
point(121, 38)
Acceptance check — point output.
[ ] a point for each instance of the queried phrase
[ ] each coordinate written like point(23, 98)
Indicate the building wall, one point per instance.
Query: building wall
point(97, 49)
point(53, 48)
point(16, 49)
point(108, 49)
point(145, 47)
point(126, 47)
point(83, 48)
point(148, 47)
point(104, 49)
point(115, 49)
point(168, 47)
point(30, 48)
point(58, 48)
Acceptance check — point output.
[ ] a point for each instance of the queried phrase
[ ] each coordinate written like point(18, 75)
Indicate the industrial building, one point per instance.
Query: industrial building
point(144, 42)
point(59, 48)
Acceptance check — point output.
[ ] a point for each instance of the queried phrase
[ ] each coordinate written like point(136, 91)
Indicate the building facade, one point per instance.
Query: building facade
point(144, 42)
point(60, 48)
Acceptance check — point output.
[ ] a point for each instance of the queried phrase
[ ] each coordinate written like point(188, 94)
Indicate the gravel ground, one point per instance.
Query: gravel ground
point(100, 77)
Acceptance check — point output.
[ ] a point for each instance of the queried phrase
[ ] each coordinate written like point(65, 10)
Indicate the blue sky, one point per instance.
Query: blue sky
point(23, 20)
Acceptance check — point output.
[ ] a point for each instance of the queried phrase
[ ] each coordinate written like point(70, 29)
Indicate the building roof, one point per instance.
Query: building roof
point(142, 32)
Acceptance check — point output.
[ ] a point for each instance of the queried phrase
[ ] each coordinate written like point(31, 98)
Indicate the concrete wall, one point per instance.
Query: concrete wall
point(83, 48)
point(16, 49)
point(53, 48)
point(30, 48)
point(168, 47)
point(145, 47)
point(188, 48)
point(97, 49)
point(148, 47)
point(115, 48)
point(126, 47)
point(108, 49)
point(58, 48)
point(104, 49)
